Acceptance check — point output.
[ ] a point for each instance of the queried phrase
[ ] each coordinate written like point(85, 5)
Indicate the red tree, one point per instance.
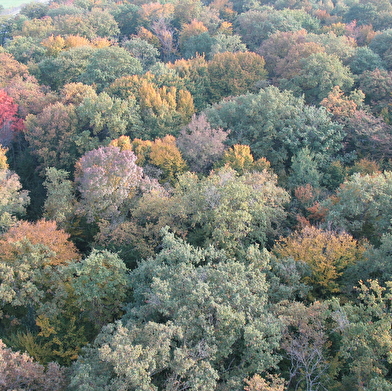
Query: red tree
point(9, 121)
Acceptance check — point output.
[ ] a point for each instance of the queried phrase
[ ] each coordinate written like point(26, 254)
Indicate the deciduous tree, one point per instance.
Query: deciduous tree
point(189, 330)
point(327, 253)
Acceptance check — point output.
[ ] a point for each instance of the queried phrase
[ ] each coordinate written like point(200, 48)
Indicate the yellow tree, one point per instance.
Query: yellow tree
point(165, 155)
point(240, 158)
point(235, 73)
point(161, 153)
point(54, 45)
point(328, 254)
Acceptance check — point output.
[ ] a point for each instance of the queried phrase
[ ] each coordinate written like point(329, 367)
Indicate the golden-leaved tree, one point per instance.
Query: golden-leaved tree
point(328, 254)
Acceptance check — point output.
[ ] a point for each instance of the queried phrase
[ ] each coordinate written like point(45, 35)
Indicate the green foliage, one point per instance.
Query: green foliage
point(276, 125)
point(107, 118)
point(364, 59)
point(100, 284)
point(107, 64)
point(146, 53)
point(60, 202)
point(25, 49)
point(197, 317)
point(304, 170)
point(308, 81)
point(231, 211)
point(365, 338)
point(255, 26)
point(361, 206)
point(66, 68)
point(13, 199)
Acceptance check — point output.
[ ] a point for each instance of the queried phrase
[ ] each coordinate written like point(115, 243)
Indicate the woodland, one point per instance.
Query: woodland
point(196, 195)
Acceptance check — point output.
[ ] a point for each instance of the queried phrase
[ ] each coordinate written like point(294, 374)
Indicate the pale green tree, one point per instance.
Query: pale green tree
point(197, 320)
point(361, 206)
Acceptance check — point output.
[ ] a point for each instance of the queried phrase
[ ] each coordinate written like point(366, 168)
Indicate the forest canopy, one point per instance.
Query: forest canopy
point(196, 195)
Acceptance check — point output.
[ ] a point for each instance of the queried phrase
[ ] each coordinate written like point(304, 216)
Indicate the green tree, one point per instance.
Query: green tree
point(255, 26)
point(14, 200)
point(103, 118)
point(320, 73)
point(146, 53)
point(25, 49)
point(228, 210)
point(361, 206)
point(276, 125)
point(99, 284)
point(364, 59)
point(365, 340)
point(107, 64)
point(304, 170)
point(66, 68)
point(203, 321)
point(60, 202)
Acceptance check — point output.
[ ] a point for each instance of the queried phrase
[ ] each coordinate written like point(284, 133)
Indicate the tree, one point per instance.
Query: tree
point(377, 86)
point(60, 249)
point(165, 155)
point(291, 65)
point(304, 170)
point(364, 332)
point(305, 343)
point(66, 68)
point(308, 81)
point(195, 75)
point(257, 383)
point(107, 179)
point(361, 206)
point(200, 144)
point(25, 49)
point(276, 125)
point(99, 286)
point(234, 73)
point(342, 46)
point(9, 121)
point(227, 43)
point(107, 64)
point(103, 118)
point(37, 28)
point(146, 53)
point(229, 210)
point(51, 136)
point(13, 200)
point(164, 110)
point(255, 26)
point(60, 202)
point(10, 69)
point(364, 59)
point(208, 324)
point(277, 47)
point(240, 159)
point(18, 370)
point(127, 17)
point(327, 253)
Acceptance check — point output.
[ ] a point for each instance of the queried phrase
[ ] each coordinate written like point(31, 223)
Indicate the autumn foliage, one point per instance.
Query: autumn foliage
point(41, 232)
